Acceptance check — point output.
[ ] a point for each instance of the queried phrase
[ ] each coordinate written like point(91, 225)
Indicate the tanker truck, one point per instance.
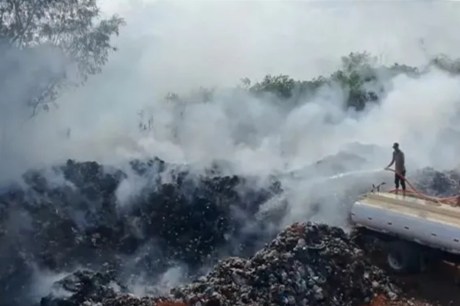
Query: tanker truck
point(414, 229)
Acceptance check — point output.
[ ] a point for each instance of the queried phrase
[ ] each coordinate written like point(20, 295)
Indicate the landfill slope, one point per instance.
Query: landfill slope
point(72, 222)
point(71, 218)
point(306, 264)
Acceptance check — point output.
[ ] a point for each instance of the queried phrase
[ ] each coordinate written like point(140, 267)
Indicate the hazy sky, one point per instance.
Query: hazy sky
point(191, 43)
point(181, 45)
point(178, 46)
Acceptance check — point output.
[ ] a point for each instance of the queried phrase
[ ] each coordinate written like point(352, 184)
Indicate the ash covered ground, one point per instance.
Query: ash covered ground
point(87, 233)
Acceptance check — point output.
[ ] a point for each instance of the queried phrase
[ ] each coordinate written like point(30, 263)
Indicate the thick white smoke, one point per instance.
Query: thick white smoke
point(179, 46)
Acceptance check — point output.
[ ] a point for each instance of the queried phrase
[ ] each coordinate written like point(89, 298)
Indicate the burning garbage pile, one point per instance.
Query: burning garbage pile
point(306, 264)
point(85, 217)
point(436, 183)
point(70, 218)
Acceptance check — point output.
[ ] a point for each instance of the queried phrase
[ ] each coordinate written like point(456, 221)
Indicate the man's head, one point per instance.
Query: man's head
point(396, 146)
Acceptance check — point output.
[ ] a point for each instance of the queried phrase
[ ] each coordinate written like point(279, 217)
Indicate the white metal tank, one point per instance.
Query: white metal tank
point(422, 221)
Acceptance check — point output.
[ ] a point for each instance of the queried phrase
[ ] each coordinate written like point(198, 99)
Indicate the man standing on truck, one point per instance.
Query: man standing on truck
point(400, 168)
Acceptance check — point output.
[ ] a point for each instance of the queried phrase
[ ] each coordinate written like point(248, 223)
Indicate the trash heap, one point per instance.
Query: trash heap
point(306, 264)
point(83, 287)
point(436, 183)
point(70, 217)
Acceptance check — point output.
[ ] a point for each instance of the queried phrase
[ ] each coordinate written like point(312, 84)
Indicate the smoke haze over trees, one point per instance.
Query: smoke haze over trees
point(303, 73)
point(241, 110)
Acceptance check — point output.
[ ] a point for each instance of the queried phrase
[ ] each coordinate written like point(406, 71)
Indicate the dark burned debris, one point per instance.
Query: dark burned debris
point(306, 264)
point(82, 287)
point(435, 183)
point(70, 219)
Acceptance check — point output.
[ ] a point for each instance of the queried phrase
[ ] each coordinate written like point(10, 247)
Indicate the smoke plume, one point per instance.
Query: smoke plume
point(179, 46)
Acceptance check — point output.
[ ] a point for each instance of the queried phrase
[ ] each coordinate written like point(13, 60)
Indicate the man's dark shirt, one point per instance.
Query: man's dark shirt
point(398, 157)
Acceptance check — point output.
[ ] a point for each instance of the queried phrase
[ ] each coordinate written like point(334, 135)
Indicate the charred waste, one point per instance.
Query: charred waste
point(70, 217)
point(98, 229)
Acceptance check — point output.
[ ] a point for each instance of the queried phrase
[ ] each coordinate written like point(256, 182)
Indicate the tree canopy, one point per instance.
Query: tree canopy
point(72, 26)
point(360, 77)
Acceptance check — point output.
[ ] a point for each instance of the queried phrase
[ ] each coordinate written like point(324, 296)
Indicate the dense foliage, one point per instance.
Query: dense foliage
point(360, 77)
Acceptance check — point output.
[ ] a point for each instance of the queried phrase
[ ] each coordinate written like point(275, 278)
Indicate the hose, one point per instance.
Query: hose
point(454, 201)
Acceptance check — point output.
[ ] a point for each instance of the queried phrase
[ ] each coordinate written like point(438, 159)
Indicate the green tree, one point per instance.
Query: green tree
point(72, 26)
point(403, 69)
point(357, 70)
point(358, 62)
point(279, 85)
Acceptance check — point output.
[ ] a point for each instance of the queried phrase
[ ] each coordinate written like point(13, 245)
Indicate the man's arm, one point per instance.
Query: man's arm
point(392, 162)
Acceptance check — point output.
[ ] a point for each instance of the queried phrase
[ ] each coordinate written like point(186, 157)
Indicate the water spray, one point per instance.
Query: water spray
point(352, 173)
